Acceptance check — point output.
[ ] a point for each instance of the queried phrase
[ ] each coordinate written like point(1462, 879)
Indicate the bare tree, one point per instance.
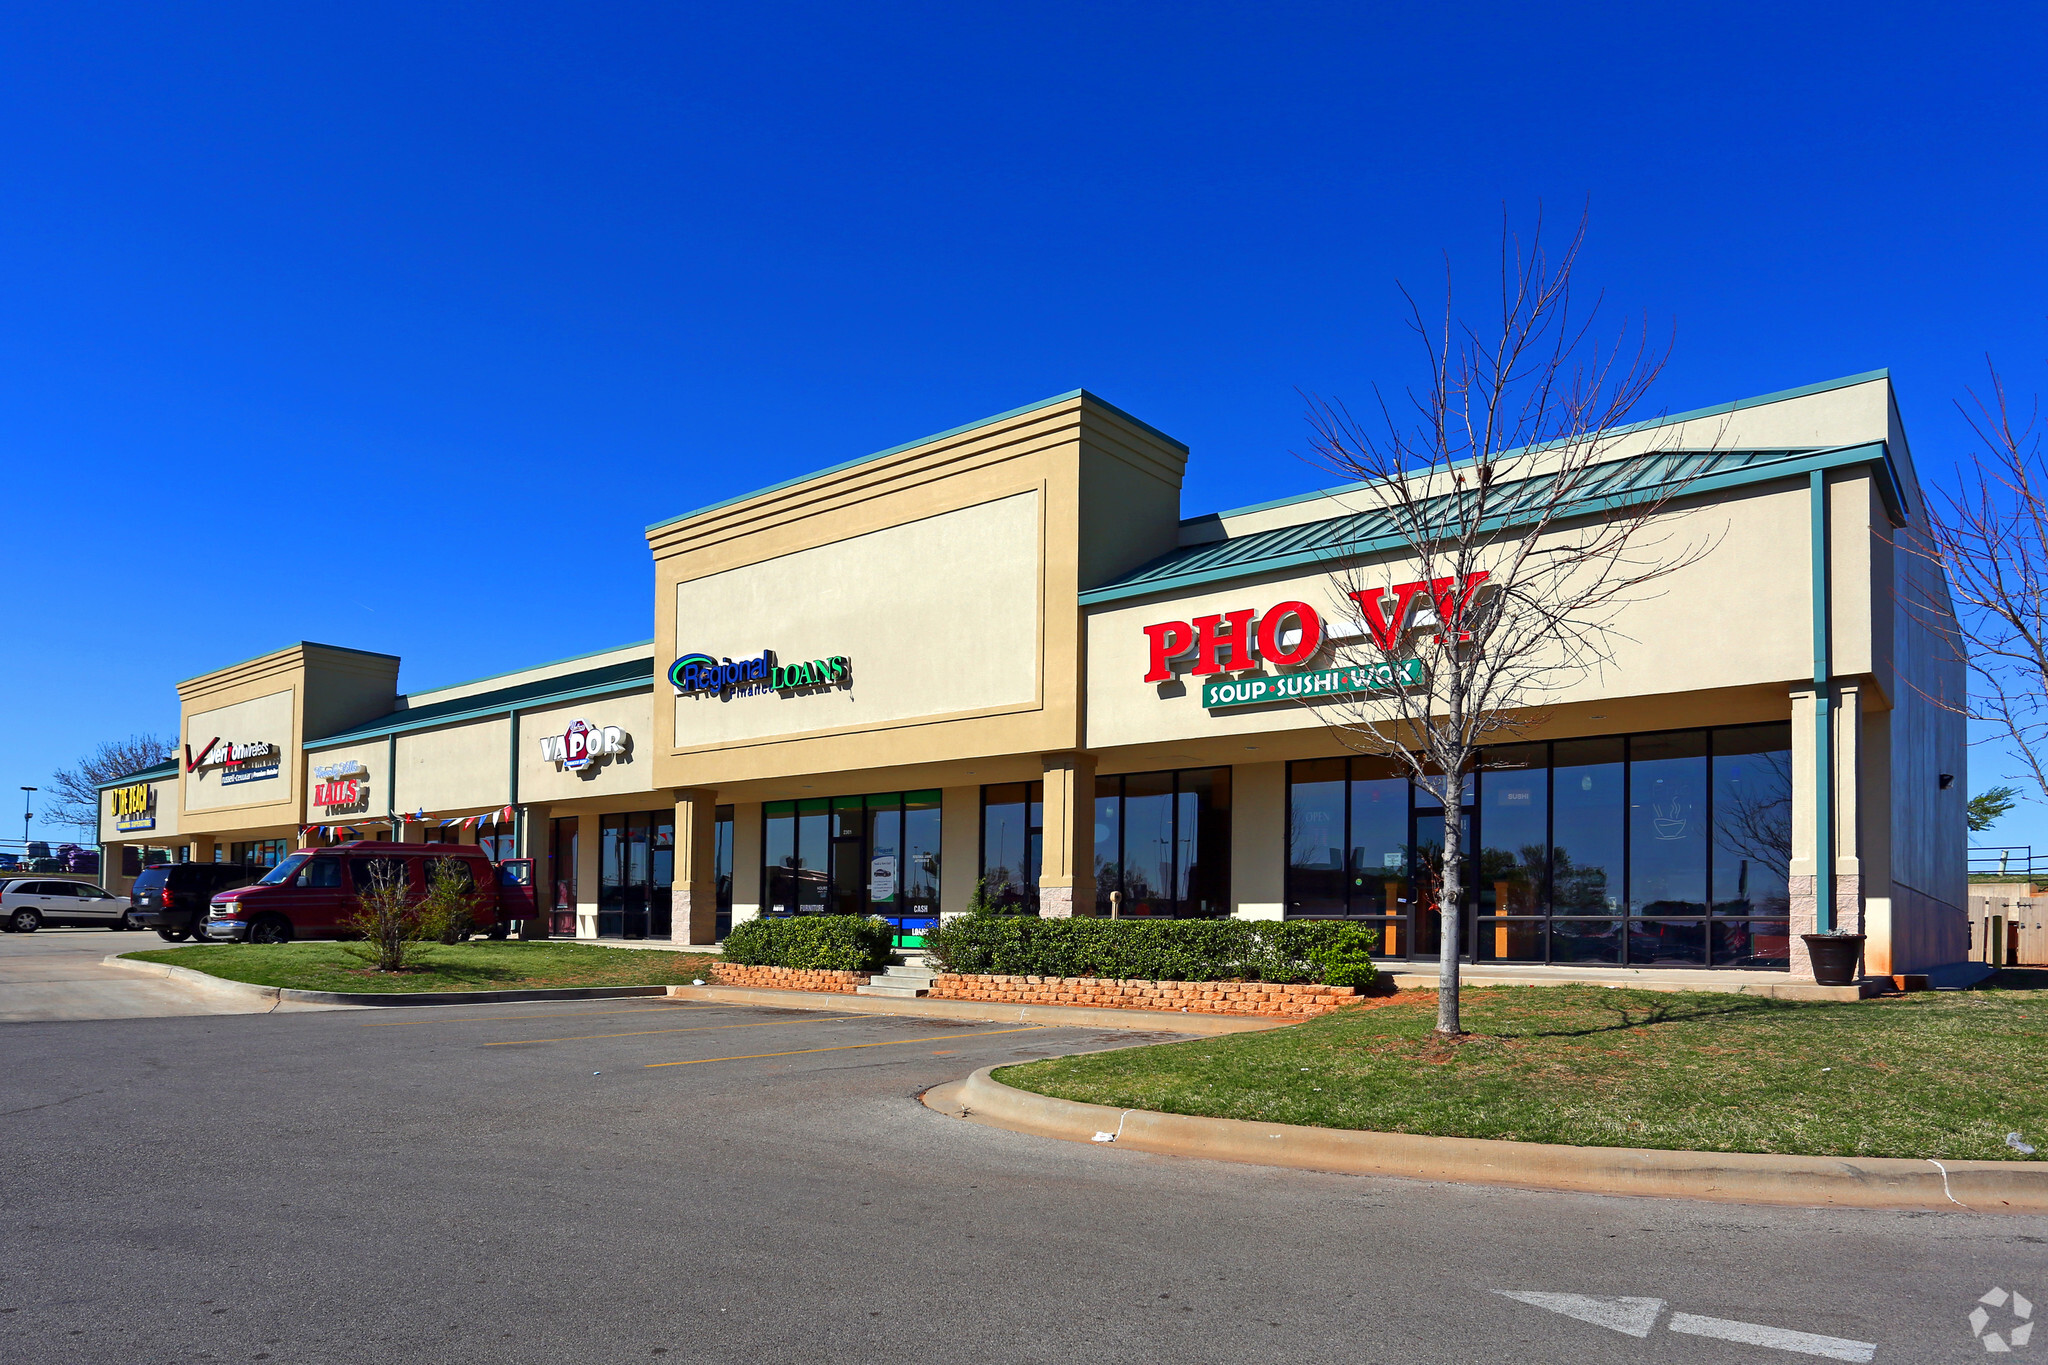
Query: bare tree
point(74, 792)
point(1990, 539)
point(1520, 539)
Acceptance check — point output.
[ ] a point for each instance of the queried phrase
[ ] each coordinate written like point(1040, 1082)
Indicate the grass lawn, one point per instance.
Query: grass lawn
point(1941, 1074)
point(479, 965)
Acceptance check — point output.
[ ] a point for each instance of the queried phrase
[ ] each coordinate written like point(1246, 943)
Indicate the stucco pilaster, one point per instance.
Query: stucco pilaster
point(1066, 869)
point(693, 898)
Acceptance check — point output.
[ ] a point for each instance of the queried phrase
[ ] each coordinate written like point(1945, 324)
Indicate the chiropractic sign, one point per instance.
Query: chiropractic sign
point(134, 807)
point(702, 675)
point(1293, 633)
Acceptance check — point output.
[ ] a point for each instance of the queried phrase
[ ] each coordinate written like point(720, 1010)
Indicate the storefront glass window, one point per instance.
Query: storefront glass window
point(1148, 844)
point(1012, 820)
point(1609, 850)
point(1378, 878)
point(1514, 805)
point(872, 855)
point(661, 850)
point(562, 869)
point(1752, 820)
point(1667, 825)
point(918, 876)
point(1315, 836)
point(778, 857)
point(256, 853)
point(813, 855)
point(721, 862)
point(1162, 843)
point(611, 878)
point(1586, 833)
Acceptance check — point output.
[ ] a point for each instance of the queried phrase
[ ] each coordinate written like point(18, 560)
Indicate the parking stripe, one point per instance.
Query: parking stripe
point(848, 1047)
point(565, 1014)
point(701, 1028)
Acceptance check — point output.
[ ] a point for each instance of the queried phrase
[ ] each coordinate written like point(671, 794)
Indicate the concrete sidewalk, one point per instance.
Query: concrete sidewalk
point(61, 974)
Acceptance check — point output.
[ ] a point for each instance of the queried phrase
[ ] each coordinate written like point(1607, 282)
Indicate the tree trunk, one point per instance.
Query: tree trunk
point(1450, 901)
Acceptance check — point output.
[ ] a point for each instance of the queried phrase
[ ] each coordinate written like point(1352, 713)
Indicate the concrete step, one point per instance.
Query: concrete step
point(901, 982)
point(895, 990)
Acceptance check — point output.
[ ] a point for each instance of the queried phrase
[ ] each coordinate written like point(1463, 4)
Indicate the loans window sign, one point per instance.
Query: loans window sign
point(702, 675)
point(1291, 634)
point(134, 808)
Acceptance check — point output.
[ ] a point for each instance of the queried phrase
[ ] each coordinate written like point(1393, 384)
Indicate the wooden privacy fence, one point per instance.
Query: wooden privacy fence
point(2009, 932)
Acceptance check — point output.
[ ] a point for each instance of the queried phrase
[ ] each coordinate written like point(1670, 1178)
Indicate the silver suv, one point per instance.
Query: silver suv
point(28, 903)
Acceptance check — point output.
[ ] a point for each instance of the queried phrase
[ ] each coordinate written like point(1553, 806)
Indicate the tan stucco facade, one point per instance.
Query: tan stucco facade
point(975, 607)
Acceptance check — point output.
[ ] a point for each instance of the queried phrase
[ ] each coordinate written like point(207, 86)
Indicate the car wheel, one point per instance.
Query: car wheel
point(24, 922)
point(171, 935)
point(271, 929)
point(123, 925)
point(498, 931)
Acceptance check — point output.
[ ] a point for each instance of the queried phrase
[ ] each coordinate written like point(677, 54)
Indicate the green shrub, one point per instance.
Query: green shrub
point(817, 943)
point(1330, 951)
point(448, 911)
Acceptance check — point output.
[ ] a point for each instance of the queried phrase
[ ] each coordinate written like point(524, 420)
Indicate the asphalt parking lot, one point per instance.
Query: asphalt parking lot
point(636, 1180)
point(62, 973)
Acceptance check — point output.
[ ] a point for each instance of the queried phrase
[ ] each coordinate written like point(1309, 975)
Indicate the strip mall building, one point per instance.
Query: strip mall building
point(877, 687)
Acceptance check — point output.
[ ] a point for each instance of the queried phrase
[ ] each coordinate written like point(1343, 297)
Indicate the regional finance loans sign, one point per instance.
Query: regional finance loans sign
point(1328, 682)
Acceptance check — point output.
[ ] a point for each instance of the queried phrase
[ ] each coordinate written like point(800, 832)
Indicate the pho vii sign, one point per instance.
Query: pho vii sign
point(1292, 633)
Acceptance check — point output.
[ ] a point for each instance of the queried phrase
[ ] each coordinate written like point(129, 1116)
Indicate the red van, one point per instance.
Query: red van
point(310, 893)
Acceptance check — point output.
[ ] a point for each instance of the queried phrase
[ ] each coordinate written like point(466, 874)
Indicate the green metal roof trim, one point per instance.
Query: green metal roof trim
point(922, 441)
point(167, 768)
point(1647, 424)
point(551, 663)
point(629, 676)
point(1370, 532)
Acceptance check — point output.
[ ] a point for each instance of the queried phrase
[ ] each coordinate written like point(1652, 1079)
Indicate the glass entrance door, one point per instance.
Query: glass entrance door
point(1426, 922)
point(636, 872)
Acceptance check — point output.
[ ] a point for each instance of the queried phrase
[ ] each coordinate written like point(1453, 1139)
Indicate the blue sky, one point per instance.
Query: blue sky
point(393, 326)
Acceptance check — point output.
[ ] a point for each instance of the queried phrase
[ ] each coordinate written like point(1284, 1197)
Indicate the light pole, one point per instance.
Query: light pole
point(27, 795)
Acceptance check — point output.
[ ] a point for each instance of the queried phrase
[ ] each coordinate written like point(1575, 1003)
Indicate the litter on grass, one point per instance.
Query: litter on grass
point(2019, 1144)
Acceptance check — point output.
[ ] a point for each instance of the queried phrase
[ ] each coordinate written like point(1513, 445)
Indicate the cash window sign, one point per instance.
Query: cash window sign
point(703, 675)
point(1293, 633)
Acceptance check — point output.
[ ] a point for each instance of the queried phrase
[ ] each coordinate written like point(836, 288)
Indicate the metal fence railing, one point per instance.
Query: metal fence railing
point(2008, 860)
point(49, 855)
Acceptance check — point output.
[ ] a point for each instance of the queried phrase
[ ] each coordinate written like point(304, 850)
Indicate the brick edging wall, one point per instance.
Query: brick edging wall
point(1264, 998)
point(788, 978)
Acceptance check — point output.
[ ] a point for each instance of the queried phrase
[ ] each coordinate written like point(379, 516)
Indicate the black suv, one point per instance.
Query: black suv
point(172, 898)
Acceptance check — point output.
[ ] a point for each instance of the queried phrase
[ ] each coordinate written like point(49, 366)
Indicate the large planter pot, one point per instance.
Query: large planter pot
point(1834, 957)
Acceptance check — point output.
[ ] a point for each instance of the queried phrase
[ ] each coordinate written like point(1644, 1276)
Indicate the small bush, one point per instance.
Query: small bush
point(388, 918)
point(817, 943)
point(448, 911)
point(1329, 951)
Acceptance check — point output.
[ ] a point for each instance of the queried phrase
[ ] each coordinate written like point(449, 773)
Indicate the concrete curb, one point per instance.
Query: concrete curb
point(1072, 1016)
point(378, 999)
point(1733, 1177)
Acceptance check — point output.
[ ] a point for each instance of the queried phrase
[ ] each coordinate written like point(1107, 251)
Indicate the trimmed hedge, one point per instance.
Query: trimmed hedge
point(817, 943)
point(1329, 951)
